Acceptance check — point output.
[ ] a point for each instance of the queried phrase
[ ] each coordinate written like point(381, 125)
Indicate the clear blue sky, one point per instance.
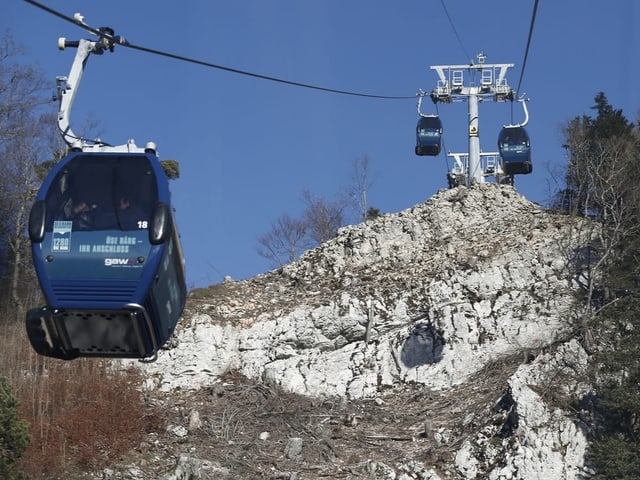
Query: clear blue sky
point(248, 147)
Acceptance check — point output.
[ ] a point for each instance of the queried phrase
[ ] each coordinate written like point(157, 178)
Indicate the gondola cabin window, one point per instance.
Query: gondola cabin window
point(102, 193)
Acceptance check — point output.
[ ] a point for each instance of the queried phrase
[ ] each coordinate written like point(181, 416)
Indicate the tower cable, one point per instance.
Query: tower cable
point(121, 41)
point(526, 52)
point(264, 77)
point(444, 146)
point(444, 7)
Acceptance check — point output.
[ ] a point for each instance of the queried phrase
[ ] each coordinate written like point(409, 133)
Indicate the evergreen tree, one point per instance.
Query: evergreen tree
point(600, 161)
point(14, 436)
point(602, 182)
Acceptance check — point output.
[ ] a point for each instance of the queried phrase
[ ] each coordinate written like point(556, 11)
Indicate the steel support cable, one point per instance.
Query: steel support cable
point(265, 77)
point(455, 31)
point(121, 41)
point(526, 51)
point(444, 146)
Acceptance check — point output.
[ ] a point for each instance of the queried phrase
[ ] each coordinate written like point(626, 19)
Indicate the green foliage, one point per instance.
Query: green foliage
point(616, 459)
point(171, 168)
point(602, 169)
point(14, 433)
point(602, 182)
point(619, 365)
point(372, 213)
point(609, 122)
point(615, 451)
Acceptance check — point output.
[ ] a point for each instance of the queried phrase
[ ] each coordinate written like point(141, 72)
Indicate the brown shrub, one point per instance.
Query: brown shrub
point(84, 413)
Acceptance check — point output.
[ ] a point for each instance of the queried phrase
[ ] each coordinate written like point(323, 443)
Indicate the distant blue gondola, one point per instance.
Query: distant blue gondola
point(108, 258)
point(515, 150)
point(428, 135)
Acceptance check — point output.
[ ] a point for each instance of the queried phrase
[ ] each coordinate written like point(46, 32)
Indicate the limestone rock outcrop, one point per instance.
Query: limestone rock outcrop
point(430, 295)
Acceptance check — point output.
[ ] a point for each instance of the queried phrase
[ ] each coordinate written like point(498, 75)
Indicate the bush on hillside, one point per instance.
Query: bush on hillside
point(14, 436)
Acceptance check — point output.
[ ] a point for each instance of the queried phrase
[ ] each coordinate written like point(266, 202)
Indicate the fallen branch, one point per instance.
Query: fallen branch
point(388, 437)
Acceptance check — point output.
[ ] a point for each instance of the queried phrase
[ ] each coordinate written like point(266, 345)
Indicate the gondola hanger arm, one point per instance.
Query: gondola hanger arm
point(523, 100)
point(68, 88)
point(421, 94)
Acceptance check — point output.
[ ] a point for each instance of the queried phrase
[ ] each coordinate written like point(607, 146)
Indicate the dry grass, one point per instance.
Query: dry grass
point(82, 414)
point(246, 427)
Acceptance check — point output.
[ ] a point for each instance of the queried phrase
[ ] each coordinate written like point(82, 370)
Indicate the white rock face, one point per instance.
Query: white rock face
point(430, 295)
point(469, 276)
point(546, 443)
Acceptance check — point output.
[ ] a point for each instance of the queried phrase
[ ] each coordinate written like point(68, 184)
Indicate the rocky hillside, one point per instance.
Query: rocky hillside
point(435, 343)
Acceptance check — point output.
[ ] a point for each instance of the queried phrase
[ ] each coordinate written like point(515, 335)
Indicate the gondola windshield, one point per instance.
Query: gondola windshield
point(429, 126)
point(428, 135)
point(513, 139)
point(98, 213)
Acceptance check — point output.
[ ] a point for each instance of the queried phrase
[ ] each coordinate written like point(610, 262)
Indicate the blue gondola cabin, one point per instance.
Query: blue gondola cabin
point(428, 135)
point(515, 150)
point(108, 258)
